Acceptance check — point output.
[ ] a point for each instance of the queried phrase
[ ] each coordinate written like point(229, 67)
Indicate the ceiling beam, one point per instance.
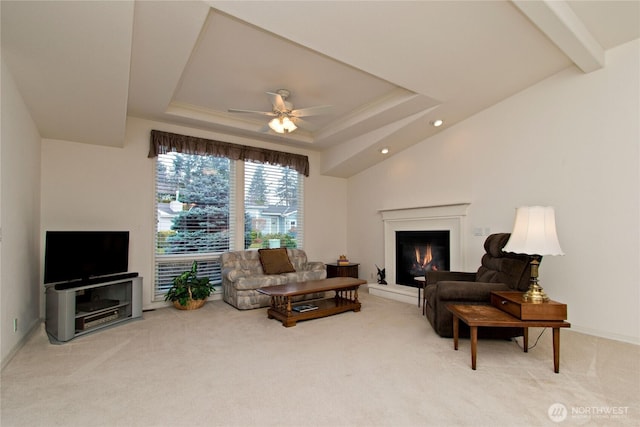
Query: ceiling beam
point(363, 151)
point(559, 22)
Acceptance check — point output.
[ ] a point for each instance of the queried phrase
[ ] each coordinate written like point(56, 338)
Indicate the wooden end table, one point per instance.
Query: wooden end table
point(282, 306)
point(501, 314)
point(342, 270)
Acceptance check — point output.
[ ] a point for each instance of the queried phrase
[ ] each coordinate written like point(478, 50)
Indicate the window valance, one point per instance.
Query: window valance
point(166, 142)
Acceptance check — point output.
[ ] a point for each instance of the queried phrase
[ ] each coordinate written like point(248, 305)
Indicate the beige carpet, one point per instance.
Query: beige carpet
point(383, 366)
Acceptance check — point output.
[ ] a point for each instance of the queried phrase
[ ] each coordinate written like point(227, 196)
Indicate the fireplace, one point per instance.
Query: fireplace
point(420, 251)
point(442, 222)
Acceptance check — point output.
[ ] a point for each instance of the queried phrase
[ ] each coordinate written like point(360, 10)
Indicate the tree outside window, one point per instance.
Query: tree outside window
point(195, 212)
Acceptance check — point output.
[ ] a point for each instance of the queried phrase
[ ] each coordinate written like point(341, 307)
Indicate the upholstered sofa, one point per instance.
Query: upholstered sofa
point(499, 271)
point(243, 275)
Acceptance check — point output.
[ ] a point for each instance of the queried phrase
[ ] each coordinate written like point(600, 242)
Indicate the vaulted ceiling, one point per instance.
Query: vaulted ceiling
point(387, 68)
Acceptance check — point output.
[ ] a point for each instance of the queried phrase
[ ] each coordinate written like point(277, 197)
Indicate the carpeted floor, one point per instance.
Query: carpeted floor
point(383, 366)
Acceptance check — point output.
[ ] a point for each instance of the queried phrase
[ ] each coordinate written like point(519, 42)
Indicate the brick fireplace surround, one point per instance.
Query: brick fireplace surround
point(426, 218)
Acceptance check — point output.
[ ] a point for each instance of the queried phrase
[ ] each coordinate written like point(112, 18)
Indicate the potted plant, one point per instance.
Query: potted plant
point(189, 291)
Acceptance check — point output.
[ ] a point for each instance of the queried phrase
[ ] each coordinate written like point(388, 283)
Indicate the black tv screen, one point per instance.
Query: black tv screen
point(80, 255)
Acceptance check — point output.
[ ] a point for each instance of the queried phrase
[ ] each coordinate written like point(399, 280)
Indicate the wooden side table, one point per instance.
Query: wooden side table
point(348, 270)
point(508, 310)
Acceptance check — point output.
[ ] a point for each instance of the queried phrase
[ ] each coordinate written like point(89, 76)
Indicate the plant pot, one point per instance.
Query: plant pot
point(192, 304)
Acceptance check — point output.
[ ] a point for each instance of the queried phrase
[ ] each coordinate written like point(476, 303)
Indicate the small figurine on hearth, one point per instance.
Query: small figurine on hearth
point(381, 276)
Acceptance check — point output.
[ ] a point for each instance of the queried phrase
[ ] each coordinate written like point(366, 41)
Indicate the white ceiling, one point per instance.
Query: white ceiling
point(388, 68)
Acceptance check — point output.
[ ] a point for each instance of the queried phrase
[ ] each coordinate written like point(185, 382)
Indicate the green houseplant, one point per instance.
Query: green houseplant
point(189, 291)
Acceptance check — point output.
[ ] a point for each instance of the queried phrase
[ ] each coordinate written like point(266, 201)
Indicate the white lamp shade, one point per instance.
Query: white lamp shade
point(282, 124)
point(276, 125)
point(288, 125)
point(534, 232)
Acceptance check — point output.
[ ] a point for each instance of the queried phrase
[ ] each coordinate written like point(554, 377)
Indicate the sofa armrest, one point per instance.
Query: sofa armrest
point(315, 266)
point(232, 274)
point(468, 291)
point(439, 276)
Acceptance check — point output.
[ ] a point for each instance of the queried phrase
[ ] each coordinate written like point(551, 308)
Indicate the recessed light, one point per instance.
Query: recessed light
point(437, 122)
point(384, 150)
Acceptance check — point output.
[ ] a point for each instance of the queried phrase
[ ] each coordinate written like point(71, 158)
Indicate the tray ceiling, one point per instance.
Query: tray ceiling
point(387, 68)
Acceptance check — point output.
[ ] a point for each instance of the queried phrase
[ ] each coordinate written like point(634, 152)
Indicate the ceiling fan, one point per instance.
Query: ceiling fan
point(285, 118)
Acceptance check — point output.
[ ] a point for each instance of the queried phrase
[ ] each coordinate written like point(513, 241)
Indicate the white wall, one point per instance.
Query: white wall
point(571, 142)
point(94, 187)
point(20, 289)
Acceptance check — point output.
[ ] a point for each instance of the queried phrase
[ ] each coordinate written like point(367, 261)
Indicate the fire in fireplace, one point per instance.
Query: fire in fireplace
point(418, 252)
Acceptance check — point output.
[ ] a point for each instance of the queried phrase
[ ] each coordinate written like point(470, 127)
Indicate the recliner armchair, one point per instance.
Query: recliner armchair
point(500, 271)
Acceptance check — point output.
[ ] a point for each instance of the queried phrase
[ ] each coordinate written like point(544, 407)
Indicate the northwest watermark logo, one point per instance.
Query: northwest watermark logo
point(558, 412)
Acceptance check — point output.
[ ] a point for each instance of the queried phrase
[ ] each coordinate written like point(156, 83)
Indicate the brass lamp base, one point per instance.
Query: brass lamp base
point(535, 294)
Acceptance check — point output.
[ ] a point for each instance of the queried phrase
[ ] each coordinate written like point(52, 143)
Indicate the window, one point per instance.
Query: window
point(273, 206)
point(196, 200)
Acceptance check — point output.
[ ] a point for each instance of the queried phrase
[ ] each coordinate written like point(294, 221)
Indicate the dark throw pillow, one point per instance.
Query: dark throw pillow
point(275, 261)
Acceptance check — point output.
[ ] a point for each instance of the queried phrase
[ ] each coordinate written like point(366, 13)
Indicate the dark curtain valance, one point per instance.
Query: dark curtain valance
point(166, 142)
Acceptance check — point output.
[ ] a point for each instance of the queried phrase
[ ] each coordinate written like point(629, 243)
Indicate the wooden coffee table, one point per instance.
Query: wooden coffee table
point(486, 315)
point(282, 307)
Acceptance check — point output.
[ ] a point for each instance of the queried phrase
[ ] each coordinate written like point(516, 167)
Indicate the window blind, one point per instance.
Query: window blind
point(273, 201)
point(196, 199)
point(194, 215)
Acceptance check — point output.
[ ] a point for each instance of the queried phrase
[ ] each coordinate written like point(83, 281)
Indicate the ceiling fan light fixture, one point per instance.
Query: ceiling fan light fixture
point(288, 125)
point(284, 114)
point(282, 125)
point(276, 125)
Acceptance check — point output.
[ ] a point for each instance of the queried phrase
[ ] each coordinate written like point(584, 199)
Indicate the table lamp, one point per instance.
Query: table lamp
point(534, 234)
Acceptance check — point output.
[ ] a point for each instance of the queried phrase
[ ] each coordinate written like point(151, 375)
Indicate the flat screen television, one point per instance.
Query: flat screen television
point(83, 255)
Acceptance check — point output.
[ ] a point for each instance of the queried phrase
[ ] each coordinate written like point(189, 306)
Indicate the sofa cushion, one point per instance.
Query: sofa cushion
point(303, 276)
point(259, 281)
point(275, 261)
point(298, 259)
point(242, 262)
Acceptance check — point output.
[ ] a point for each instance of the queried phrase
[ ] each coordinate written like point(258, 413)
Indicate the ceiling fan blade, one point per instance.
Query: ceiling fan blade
point(303, 124)
point(277, 101)
point(312, 111)
point(262, 113)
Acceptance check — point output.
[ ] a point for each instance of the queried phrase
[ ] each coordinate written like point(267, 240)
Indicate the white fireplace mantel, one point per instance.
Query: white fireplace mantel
point(454, 210)
point(426, 218)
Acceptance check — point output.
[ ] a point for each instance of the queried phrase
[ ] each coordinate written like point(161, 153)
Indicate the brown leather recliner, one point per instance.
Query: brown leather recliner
point(500, 271)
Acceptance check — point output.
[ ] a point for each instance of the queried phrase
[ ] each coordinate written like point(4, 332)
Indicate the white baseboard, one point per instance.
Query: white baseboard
point(34, 328)
point(400, 293)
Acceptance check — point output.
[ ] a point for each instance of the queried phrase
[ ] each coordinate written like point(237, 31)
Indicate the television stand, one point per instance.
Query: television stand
point(93, 281)
point(84, 309)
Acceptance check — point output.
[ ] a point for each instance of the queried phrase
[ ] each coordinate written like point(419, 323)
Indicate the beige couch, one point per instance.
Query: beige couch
point(243, 275)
